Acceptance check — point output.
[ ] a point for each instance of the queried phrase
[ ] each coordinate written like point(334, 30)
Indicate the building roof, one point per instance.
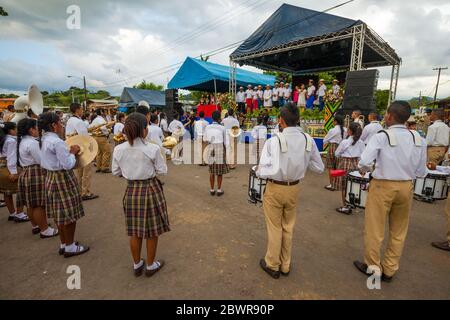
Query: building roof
point(133, 96)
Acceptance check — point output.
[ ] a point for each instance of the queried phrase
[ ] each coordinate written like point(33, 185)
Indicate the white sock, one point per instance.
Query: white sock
point(137, 266)
point(72, 247)
point(21, 215)
point(14, 214)
point(212, 190)
point(48, 232)
point(154, 266)
point(35, 227)
point(220, 190)
point(62, 246)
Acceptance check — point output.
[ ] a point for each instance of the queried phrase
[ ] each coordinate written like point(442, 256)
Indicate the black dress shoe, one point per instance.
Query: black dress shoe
point(284, 274)
point(35, 230)
point(139, 271)
point(274, 274)
point(441, 245)
point(361, 267)
point(385, 278)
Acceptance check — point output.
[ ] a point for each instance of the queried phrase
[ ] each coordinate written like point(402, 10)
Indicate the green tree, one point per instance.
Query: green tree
point(3, 12)
point(381, 100)
point(280, 76)
point(148, 86)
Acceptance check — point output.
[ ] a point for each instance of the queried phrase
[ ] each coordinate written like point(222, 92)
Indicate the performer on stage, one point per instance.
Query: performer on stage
point(281, 100)
point(348, 154)
point(255, 99)
point(301, 103)
point(200, 127)
point(333, 138)
point(275, 94)
point(321, 93)
point(445, 245)
point(240, 99)
point(63, 201)
point(287, 93)
point(76, 126)
point(311, 95)
point(437, 137)
point(215, 135)
point(372, 128)
point(8, 171)
point(284, 162)
point(267, 97)
point(336, 89)
point(259, 134)
point(399, 156)
point(31, 184)
point(260, 97)
point(103, 159)
point(144, 203)
point(249, 98)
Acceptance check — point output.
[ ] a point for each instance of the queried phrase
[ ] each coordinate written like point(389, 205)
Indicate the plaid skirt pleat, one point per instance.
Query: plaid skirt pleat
point(218, 162)
point(331, 158)
point(62, 197)
point(145, 209)
point(346, 164)
point(31, 191)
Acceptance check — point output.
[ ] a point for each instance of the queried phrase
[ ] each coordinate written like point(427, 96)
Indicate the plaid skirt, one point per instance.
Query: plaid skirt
point(217, 161)
point(62, 197)
point(31, 191)
point(331, 158)
point(7, 187)
point(145, 209)
point(347, 164)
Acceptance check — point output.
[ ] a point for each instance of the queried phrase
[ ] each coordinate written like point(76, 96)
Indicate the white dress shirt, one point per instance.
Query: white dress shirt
point(322, 91)
point(10, 152)
point(438, 134)
point(259, 132)
point(249, 94)
point(403, 162)
point(311, 91)
point(336, 89)
point(29, 151)
point(275, 94)
point(163, 125)
point(346, 148)
point(240, 96)
point(334, 135)
point(268, 98)
point(287, 92)
point(140, 161)
point(76, 126)
point(55, 154)
point(100, 121)
point(230, 122)
point(215, 134)
point(118, 128)
point(155, 134)
point(199, 128)
point(443, 169)
point(370, 130)
point(292, 165)
point(174, 125)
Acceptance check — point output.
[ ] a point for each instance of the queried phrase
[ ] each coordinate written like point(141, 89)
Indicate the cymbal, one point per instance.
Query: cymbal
point(88, 149)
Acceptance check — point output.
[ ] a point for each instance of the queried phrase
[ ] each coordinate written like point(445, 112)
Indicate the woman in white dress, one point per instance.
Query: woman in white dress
point(302, 97)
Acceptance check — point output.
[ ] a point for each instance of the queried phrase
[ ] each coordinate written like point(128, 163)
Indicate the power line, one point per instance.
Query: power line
point(439, 69)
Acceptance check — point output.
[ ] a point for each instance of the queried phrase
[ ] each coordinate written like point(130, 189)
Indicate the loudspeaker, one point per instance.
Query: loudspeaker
point(172, 104)
point(360, 91)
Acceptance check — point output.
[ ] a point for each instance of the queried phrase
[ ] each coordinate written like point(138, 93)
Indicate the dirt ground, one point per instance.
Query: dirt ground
point(215, 245)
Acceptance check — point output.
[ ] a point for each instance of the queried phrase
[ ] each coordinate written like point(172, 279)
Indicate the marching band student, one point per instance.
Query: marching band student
point(8, 170)
point(437, 137)
point(399, 156)
point(155, 133)
point(120, 124)
point(215, 135)
point(333, 138)
point(356, 117)
point(175, 124)
point(259, 134)
point(284, 166)
point(372, 128)
point(31, 184)
point(445, 245)
point(163, 124)
point(199, 131)
point(63, 200)
point(144, 203)
point(348, 154)
point(76, 126)
point(103, 159)
point(228, 123)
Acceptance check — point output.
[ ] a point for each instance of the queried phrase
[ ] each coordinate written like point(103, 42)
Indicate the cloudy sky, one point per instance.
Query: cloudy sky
point(122, 42)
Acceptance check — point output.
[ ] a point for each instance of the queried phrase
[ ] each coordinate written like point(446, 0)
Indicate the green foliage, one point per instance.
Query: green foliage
point(10, 95)
point(381, 100)
point(3, 12)
point(280, 76)
point(64, 98)
point(148, 86)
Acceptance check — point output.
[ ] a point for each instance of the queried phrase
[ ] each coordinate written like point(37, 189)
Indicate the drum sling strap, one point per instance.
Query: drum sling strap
point(393, 140)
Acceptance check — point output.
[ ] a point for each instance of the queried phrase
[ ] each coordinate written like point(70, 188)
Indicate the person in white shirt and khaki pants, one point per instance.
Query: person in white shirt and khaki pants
point(437, 137)
point(399, 156)
point(284, 166)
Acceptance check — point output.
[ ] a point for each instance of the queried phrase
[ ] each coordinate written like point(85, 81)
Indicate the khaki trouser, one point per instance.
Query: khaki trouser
point(388, 201)
point(104, 153)
point(280, 210)
point(436, 154)
point(447, 211)
point(84, 179)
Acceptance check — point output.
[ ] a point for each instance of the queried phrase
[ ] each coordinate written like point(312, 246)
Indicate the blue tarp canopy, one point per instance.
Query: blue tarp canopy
point(200, 75)
point(130, 98)
point(326, 43)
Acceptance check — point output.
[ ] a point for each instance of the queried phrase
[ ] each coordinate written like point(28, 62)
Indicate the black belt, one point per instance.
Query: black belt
point(285, 183)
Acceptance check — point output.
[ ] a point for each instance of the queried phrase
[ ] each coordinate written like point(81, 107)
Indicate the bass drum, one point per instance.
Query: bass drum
point(356, 190)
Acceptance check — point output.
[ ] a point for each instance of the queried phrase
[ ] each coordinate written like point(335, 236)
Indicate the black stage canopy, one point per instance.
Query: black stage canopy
point(303, 41)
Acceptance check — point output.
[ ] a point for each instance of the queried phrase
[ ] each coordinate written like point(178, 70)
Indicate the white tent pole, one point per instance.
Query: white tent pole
point(215, 92)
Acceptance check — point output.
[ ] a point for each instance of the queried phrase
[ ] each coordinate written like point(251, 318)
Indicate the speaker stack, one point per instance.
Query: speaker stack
point(172, 104)
point(360, 90)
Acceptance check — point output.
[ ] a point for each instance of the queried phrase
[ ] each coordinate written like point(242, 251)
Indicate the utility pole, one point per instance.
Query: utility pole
point(439, 78)
point(85, 94)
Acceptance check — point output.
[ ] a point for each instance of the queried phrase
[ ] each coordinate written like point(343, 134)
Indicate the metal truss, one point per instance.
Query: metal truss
point(356, 60)
point(376, 43)
point(394, 83)
point(232, 82)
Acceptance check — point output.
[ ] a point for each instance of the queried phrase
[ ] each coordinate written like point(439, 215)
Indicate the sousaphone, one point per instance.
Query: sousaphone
point(33, 100)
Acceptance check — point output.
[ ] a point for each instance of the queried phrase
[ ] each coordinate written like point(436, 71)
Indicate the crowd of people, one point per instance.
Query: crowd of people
point(39, 168)
point(304, 96)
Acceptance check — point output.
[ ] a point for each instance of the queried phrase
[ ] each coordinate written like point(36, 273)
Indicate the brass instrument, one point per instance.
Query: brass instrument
point(347, 121)
point(119, 138)
point(97, 130)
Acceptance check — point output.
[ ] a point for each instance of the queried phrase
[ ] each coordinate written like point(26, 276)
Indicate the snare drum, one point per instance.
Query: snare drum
point(433, 187)
point(256, 187)
point(356, 189)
